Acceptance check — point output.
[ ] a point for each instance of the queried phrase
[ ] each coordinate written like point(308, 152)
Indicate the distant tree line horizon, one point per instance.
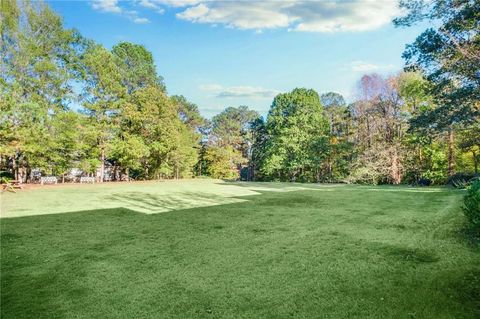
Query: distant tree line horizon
point(420, 126)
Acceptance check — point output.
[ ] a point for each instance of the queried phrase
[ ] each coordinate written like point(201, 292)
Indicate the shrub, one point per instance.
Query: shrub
point(461, 180)
point(435, 177)
point(424, 182)
point(5, 176)
point(472, 205)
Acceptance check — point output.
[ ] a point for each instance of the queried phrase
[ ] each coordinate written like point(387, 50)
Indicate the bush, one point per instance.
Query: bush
point(5, 176)
point(461, 180)
point(424, 182)
point(472, 205)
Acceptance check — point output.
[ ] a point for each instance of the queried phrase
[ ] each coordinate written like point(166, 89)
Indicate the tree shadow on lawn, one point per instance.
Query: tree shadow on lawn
point(280, 186)
point(145, 201)
point(292, 186)
point(149, 203)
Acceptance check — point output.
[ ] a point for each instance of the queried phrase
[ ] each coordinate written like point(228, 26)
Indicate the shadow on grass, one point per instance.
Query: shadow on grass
point(406, 254)
point(154, 203)
point(275, 186)
point(288, 186)
point(471, 235)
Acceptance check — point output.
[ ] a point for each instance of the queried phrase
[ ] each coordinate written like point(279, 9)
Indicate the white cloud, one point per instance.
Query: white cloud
point(241, 14)
point(141, 20)
point(132, 15)
point(107, 6)
point(297, 15)
point(334, 16)
point(239, 91)
point(112, 6)
point(177, 3)
point(157, 5)
point(362, 66)
point(151, 4)
point(148, 4)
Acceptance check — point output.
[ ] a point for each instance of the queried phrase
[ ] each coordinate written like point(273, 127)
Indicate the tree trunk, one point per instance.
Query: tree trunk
point(395, 174)
point(420, 158)
point(29, 174)
point(102, 165)
point(330, 169)
point(21, 173)
point(451, 152)
point(475, 162)
point(368, 133)
point(14, 166)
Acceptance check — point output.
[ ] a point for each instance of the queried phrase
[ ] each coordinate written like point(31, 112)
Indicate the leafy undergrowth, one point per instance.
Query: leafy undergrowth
point(355, 252)
point(471, 208)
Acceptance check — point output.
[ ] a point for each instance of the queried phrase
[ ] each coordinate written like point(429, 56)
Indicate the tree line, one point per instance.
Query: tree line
point(70, 103)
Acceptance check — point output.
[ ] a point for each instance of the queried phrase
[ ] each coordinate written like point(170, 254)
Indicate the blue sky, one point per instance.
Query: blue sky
point(230, 53)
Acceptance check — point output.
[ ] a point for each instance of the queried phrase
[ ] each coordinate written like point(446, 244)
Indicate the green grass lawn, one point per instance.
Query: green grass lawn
point(209, 249)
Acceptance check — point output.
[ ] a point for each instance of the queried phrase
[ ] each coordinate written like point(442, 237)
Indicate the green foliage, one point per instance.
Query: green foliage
point(436, 162)
point(189, 113)
point(414, 89)
point(227, 146)
point(185, 154)
point(129, 151)
point(137, 65)
point(152, 117)
point(341, 151)
point(231, 126)
point(297, 137)
point(65, 141)
point(472, 205)
point(6, 177)
point(337, 113)
point(447, 53)
point(259, 140)
point(469, 143)
point(221, 162)
point(39, 62)
point(127, 120)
